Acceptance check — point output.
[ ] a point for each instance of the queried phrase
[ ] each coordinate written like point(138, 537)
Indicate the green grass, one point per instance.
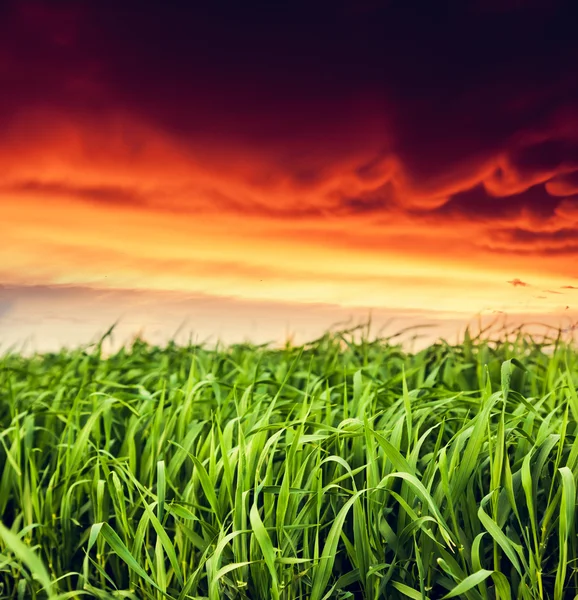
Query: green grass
point(340, 469)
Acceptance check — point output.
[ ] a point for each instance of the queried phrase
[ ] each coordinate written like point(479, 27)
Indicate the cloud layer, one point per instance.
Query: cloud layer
point(287, 136)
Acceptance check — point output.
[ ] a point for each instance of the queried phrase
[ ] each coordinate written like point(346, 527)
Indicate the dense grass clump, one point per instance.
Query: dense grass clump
point(340, 469)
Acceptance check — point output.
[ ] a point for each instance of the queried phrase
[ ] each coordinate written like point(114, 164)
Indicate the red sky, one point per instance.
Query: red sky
point(354, 155)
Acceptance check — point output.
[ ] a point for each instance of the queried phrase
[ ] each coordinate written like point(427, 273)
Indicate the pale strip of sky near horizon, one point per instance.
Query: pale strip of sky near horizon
point(46, 318)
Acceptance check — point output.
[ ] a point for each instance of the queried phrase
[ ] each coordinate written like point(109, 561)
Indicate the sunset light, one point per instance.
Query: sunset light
point(288, 300)
point(229, 176)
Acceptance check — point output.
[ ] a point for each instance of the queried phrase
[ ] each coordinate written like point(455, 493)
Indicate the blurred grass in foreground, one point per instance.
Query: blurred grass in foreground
point(339, 469)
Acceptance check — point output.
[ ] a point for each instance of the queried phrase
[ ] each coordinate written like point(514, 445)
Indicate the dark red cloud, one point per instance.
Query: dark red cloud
point(518, 283)
point(477, 203)
point(524, 236)
point(105, 195)
point(563, 185)
point(561, 241)
point(350, 108)
point(310, 84)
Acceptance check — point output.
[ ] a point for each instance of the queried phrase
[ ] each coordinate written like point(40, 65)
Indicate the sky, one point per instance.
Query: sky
point(259, 171)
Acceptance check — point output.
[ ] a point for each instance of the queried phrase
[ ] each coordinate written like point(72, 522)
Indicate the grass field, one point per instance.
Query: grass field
point(340, 469)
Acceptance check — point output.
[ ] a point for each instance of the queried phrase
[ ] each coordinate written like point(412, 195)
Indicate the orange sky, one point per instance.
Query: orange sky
point(355, 197)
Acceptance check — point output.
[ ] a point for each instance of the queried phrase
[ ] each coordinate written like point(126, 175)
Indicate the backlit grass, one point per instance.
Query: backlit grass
point(340, 469)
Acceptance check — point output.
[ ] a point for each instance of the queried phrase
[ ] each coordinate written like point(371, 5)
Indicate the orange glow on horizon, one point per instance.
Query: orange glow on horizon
point(129, 207)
